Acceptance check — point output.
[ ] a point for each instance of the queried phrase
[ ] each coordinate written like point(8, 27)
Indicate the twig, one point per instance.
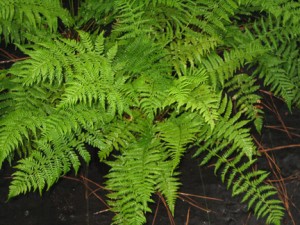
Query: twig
point(200, 196)
point(172, 222)
point(279, 148)
point(156, 212)
point(188, 216)
point(13, 60)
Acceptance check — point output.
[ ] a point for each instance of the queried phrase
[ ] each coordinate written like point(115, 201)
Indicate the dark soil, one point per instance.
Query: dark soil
point(70, 201)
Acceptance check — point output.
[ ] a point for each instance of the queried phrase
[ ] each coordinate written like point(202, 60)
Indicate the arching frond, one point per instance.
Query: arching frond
point(232, 147)
point(46, 164)
point(177, 135)
point(244, 91)
point(18, 17)
point(134, 174)
point(145, 80)
point(194, 94)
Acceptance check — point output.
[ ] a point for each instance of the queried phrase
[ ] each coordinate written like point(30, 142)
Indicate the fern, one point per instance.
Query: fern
point(45, 165)
point(277, 61)
point(128, 13)
point(18, 17)
point(221, 69)
point(95, 13)
point(237, 141)
point(192, 93)
point(175, 128)
point(21, 117)
point(142, 165)
point(244, 91)
point(49, 125)
point(277, 32)
point(191, 51)
point(145, 80)
point(216, 16)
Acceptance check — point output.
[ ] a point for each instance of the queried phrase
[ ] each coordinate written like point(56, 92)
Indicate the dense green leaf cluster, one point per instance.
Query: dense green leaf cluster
point(146, 80)
point(20, 19)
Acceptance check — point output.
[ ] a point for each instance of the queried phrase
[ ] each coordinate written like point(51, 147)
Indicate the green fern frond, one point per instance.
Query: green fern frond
point(143, 168)
point(112, 136)
point(231, 138)
point(15, 129)
point(47, 62)
point(277, 66)
point(244, 91)
point(276, 77)
point(190, 50)
point(194, 94)
point(134, 174)
point(46, 165)
point(155, 78)
point(142, 56)
point(177, 135)
point(151, 90)
point(214, 17)
point(221, 69)
point(18, 17)
point(99, 12)
point(23, 111)
point(92, 82)
point(130, 21)
point(168, 184)
point(155, 3)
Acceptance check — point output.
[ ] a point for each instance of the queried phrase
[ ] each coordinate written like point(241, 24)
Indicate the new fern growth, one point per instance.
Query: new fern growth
point(146, 80)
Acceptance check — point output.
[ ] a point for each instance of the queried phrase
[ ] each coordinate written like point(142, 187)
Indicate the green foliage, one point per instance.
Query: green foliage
point(142, 169)
point(145, 80)
point(244, 90)
point(19, 18)
point(234, 164)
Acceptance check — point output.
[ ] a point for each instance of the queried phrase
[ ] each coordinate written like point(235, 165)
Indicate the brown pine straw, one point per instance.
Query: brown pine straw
point(272, 107)
point(192, 202)
point(248, 218)
point(200, 196)
point(185, 197)
point(279, 181)
point(11, 58)
point(85, 181)
point(7, 54)
point(188, 216)
point(156, 212)
point(279, 148)
point(171, 218)
point(283, 130)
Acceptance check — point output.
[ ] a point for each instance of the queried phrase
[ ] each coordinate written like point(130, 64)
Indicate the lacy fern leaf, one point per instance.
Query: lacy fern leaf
point(236, 172)
point(142, 82)
point(18, 17)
